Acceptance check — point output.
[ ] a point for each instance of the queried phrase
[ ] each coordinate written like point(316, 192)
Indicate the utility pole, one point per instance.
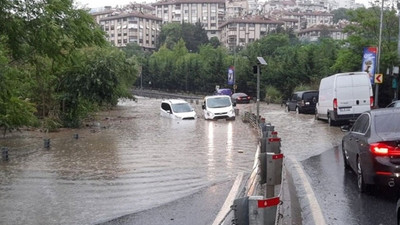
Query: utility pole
point(379, 55)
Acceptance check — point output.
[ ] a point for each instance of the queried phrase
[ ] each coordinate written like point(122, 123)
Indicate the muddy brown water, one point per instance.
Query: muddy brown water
point(130, 160)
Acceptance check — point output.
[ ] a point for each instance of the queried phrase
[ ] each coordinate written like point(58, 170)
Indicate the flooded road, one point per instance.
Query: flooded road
point(133, 160)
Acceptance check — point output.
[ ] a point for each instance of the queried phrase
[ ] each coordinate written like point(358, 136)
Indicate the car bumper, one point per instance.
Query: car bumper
point(384, 172)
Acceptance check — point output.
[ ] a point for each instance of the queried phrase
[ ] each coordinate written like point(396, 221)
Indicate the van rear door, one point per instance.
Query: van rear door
point(353, 94)
point(362, 92)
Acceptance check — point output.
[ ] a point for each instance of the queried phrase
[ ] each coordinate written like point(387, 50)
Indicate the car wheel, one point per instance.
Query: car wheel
point(345, 161)
point(330, 121)
point(362, 187)
point(316, 115)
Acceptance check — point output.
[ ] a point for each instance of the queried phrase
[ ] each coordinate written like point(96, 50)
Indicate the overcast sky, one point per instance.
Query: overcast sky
point(113, 3)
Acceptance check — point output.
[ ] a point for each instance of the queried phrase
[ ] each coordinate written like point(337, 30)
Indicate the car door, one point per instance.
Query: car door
point(357, 139)
point(293, 102)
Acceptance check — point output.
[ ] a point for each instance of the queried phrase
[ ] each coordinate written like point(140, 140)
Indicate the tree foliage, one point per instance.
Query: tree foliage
point(42, 47)
point(193, 35)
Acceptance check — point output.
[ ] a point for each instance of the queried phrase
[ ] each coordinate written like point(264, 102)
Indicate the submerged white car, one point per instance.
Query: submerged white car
point(218, 107)
point(177, 109)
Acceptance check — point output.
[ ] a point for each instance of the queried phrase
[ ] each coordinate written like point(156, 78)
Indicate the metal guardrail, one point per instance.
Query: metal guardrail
point(260, 205)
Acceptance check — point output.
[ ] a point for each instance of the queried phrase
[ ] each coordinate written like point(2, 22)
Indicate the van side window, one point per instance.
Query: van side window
point(166, 106)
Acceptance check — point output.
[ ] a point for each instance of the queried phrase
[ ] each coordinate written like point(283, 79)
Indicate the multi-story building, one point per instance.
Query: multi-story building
point(125, 28)
point(309, 19)
point(314, 33)
point(210, 13)
point(240, 32)
point(236, 8)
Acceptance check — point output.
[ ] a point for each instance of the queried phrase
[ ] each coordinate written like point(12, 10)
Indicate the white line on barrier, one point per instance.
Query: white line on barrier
point(226, 207)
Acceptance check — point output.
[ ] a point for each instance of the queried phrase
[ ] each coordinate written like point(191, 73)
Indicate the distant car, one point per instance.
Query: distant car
point(240, 98)
point(303, 101)
point(177, 109)
point(372, 148)
point(394, 104)
point(398, 212)
point(223, 91)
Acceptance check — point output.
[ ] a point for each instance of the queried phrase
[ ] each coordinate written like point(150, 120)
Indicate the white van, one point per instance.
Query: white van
point(343, 97)
point(218, 107)
point(177, 109)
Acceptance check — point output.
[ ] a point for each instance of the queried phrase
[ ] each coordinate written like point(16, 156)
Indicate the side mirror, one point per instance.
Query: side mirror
point(203, 106)
point(345, 128)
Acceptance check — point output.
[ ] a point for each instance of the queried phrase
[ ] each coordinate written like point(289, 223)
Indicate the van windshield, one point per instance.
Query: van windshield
point(218, 102)
point(181, 107)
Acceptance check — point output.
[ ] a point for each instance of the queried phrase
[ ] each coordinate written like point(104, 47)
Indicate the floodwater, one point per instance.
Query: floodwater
point(132, 159)
point(129, 160)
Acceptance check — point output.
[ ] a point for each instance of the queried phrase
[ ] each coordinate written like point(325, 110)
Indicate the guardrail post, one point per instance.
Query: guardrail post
point(46, 143)
point(273, 172)
point(4, 153)
point(262, 211)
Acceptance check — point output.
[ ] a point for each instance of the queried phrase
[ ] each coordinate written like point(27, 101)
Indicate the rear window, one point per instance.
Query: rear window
point(308, 96)
point(387, 123)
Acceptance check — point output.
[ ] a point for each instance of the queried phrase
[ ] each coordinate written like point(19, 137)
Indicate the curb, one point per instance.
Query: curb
point(310, 210)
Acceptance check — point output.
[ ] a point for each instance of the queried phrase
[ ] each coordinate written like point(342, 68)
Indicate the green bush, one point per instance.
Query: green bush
point(272, 95)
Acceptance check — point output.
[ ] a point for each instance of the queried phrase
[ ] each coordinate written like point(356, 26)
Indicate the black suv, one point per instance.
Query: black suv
point(303, 101)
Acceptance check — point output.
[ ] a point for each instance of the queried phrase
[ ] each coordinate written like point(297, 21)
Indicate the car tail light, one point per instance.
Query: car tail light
point(335, 104)
point(248, 97)
point(371, 101)
point(384, 149)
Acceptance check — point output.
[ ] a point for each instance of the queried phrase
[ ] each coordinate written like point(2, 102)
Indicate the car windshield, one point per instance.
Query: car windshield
point(218, 102)
point(387, 124)
point(181, 107)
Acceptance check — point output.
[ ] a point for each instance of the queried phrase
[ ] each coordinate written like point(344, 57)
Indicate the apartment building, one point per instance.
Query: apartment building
point(123, 28)
point(241, 31)
point(314, 33)
point(210, 13)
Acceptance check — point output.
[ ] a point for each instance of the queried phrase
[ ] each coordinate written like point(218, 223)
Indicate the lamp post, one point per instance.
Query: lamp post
point(261, 61)
point(379, 55)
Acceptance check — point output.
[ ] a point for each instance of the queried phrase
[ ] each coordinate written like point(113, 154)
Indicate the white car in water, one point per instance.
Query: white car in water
point(218, 107)
point(177, 109)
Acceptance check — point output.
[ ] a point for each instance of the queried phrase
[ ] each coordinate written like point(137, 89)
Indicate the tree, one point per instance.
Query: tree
point(194, 35)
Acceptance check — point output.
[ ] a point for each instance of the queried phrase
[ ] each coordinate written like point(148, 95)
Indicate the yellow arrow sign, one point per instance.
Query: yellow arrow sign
point(378, 78)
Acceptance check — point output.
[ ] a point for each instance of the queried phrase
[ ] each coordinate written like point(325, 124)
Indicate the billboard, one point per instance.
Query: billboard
point(369, 62)
point(231, 75)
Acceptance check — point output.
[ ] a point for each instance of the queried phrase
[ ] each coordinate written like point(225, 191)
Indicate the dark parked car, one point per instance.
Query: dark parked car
point(394, 104)
point(372, 148)
point(240, 98)
point(303, 101)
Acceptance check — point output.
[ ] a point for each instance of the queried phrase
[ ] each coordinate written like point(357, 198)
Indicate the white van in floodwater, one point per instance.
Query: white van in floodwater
point(343, 97)
point(218, 107)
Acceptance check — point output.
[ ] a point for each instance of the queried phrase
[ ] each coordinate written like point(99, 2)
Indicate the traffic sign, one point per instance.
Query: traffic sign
point(378, 78)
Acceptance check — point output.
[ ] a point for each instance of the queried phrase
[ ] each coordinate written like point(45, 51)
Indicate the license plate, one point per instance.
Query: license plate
point(344, 109)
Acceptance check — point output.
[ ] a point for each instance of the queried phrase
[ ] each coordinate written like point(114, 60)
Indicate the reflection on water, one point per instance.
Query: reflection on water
point(133, 160)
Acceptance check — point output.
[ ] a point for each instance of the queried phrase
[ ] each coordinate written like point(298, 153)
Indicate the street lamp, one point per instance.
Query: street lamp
point(261, 61)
